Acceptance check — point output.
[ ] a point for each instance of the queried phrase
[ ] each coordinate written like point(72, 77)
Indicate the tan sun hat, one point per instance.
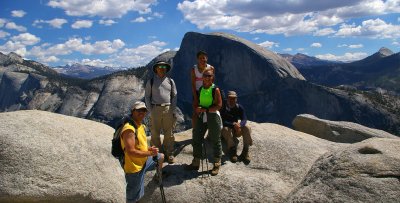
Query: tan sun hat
point(162, 64)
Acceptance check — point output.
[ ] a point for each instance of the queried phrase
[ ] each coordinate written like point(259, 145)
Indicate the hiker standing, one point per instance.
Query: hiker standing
point(196, 75)
point(207, 106)
point(138, 156)
point(160, 97)
point(233, 129)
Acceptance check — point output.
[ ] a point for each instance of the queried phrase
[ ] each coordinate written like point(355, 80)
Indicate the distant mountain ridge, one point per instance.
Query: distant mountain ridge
point(86, 71)
point(304, 61)
point(30, 85)
point(380, 70)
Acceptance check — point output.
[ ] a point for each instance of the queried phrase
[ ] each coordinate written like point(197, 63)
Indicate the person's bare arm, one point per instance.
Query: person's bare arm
point(128, 136)
point(217, 104)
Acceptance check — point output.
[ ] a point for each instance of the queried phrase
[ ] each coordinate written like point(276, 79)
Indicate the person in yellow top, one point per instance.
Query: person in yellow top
point(138, 156)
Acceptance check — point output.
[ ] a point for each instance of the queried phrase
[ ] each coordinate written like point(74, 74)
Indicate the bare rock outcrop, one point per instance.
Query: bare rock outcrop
point(56, 158)
point(281, 157)
point(47, 157)
point(368, 171)
point(337, 131)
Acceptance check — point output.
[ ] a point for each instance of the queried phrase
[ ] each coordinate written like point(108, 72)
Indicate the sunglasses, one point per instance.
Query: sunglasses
point(141, 110)
point(207, 76)
point(162, 66)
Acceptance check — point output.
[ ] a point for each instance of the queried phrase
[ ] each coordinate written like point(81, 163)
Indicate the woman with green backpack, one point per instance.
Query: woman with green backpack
point(206, 108)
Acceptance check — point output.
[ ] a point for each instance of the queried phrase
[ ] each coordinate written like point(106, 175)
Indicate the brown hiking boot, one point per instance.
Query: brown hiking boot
point(233, 156)
point(245, 156)
point(215, 169)
point(194, 166)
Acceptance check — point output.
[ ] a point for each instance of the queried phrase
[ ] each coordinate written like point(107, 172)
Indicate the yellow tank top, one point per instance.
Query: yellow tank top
point(135, 164)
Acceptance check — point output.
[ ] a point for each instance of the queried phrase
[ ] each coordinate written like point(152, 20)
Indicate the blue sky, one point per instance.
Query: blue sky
point(130, 33)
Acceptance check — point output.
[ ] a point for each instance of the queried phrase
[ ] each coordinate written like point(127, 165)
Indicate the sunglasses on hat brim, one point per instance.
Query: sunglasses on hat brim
point(162, 66)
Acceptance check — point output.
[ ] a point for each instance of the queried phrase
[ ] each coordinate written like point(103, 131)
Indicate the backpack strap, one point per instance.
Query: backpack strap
point(213, 92)
point(132, 123)
point(151, 89)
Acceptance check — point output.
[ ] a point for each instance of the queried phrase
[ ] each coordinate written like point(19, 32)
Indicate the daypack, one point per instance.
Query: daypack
point(213, 92)
point(116, 148)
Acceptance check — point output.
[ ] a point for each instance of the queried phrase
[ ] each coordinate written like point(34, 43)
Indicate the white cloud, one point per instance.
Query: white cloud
point(82, 24)
point(396, 43)
point(127, 57)
point(107, 22)
point(4, 34)
point(324, 32)
point(347, 57)
point(139, 20)
point(370, 28)
point(56, 22)
point(300, 49)
point(288, 17)
point(26, 39)
point(139, 56)
point(268, 44)
point(18, 44)
point(16, 47)
point(356, 46)
point(104, 8)
point(158, 15)
point(77, 45)
point(2, 22)
point(342, 45)
point(316, 45)
point(13, 26)
point(50, 59)
point(288, 49)
point(18, 13)
point(96, 62)
point(130, 57)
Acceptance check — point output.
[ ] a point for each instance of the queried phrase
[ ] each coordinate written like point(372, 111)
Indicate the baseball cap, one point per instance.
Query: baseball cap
point(139, 105)
point(232, 94)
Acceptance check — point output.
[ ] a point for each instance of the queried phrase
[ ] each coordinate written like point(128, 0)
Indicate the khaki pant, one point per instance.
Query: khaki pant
point(163, 119)
point(231, 136)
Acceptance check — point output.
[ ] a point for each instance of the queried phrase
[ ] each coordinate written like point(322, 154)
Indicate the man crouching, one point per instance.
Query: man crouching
point(138, 156)
point(233, 129)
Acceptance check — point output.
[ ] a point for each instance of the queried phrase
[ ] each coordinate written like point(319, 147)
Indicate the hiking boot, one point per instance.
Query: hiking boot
point(233, 156)
point(215, 169)
point(245, 156)
point(171, 159)
point(194, 166)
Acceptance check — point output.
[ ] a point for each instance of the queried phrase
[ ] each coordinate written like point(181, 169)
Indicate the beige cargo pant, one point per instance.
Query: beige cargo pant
point(231, 136)
point(163, 119)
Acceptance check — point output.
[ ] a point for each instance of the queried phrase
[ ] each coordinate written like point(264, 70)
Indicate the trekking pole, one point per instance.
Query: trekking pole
point(205, 151)
point(159, 174)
